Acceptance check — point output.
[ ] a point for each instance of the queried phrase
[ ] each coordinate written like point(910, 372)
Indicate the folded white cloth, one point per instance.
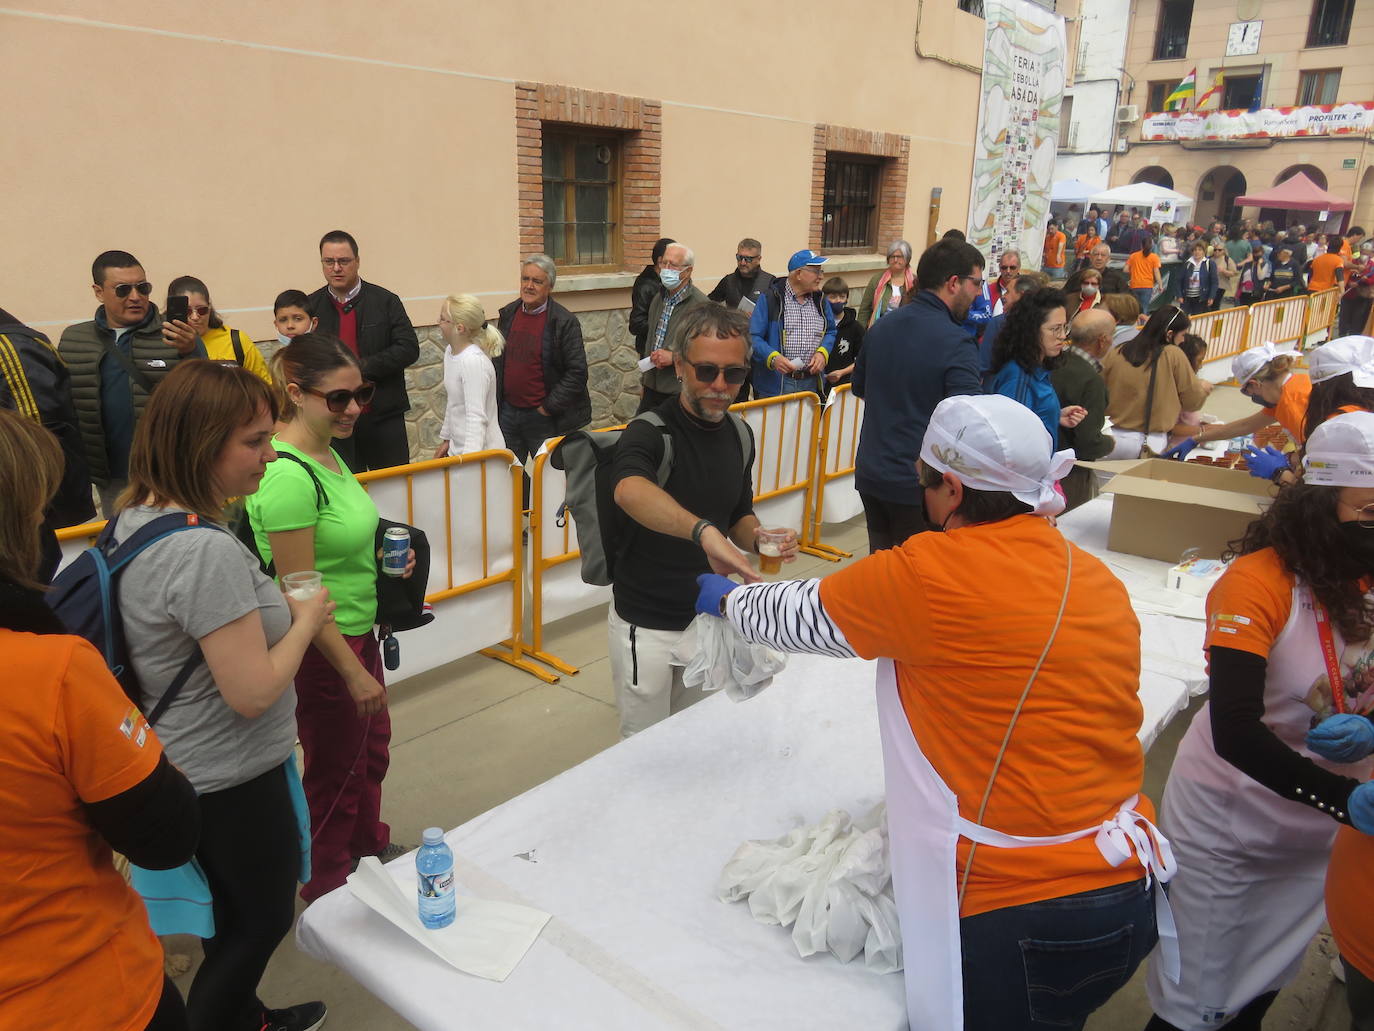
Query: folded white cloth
point(831, 881)
point(487, 939)
point(715, 656)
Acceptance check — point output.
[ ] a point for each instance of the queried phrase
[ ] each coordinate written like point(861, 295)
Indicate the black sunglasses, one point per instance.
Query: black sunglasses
point(337, 400)
point(125, 289)
point(707, 373)
point(747, 257)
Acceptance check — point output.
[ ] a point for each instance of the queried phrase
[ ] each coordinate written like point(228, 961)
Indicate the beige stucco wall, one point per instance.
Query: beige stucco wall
point(1283, 49)
point(223, 139)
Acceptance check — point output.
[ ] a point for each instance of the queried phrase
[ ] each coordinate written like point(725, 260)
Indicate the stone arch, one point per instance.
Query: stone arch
point(1217, 191)
point(1311, 171)
point(1156, 174)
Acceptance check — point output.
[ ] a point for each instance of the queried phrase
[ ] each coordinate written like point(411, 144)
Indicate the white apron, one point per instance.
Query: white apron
point(1249, 895)
point(924, 828)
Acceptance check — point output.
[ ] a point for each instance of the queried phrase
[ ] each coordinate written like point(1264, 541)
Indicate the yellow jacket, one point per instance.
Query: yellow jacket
point(219, 347)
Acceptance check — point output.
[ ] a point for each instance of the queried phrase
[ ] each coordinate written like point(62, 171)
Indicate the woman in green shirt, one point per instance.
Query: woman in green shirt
point(310, 513)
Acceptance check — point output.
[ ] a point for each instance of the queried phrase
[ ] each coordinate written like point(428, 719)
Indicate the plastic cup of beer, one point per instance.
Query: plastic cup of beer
point(771, 546)
point(302, 585)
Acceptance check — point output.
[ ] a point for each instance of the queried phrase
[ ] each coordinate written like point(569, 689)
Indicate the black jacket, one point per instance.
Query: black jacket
point(387, 344)
point(565, 367)
point(642, 294)
point(732, 288)
point(849, 338)
point(34, 381)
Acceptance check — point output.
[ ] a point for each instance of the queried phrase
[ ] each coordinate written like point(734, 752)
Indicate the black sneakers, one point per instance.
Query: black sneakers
point(308, 1016)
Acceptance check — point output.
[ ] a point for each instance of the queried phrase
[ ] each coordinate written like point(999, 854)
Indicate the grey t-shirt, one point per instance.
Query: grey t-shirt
point(176, 592)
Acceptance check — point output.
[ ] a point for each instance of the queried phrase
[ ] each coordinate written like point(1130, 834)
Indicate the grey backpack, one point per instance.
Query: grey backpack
point(587, 459)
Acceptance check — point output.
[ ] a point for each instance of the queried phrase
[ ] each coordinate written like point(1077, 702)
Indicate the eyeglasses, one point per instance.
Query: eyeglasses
point(706, 373)
point(124, 289)
point(1061, 332)
point(1364, 514)
point(337, 262)
point(201, 310)
point(975, 280)
point(337, 400)
point(1011, 268)
point(747, 257)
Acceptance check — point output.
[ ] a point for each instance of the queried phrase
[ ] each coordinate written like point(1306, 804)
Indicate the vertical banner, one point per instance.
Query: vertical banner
point(1018, 130)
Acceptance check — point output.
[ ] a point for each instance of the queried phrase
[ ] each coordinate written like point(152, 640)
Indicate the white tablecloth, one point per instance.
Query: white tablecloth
point(625, 850)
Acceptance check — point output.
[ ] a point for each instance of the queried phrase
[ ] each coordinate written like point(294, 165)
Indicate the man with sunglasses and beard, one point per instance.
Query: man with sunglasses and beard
point(115, 361)
point(696, 521)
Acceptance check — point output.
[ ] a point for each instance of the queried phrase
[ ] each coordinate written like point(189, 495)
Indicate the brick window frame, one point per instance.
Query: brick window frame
point(895, 154)
point(637, 121)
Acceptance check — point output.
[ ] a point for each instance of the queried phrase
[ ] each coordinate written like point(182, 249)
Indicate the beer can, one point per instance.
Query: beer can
point(395, 550)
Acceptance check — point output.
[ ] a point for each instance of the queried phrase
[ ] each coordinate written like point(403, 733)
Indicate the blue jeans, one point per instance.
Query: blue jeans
point(1049, 964)
point(1143, 296)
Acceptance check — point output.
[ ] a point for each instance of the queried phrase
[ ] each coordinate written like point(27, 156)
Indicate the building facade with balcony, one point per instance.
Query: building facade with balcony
point(1297, 94)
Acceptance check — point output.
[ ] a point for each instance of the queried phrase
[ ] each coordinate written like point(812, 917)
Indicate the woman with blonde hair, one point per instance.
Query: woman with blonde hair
point(470, 422)
point(205, 437)
point(78, 948)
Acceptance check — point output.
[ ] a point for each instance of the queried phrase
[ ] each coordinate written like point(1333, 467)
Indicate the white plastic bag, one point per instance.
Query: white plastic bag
point(715, 656)
point(831, 882)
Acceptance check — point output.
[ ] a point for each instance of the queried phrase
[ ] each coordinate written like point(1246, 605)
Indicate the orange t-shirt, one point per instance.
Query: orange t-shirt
point(964, 639)
point(1291, 411)
point(1054, 249)
point(1085, 243)
point(78, 949)
point(1142, 268)
point(1350, 897)
point(1324, 270)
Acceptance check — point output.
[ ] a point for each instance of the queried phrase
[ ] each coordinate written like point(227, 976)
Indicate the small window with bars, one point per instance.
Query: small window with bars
point(581, 199)
point(974, 7)
point(1319, 87)
point(1175, 21)
point(1330, 24)
point(849, 217)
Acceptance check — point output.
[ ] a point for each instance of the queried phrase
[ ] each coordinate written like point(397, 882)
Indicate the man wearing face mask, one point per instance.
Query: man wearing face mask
point(676, 297)
point(696, 521)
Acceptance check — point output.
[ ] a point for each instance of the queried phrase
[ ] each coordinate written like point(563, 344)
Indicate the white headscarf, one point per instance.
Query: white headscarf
point(1246, 364)
point(1354, 355)
point(993, 443)
point(1340, 452)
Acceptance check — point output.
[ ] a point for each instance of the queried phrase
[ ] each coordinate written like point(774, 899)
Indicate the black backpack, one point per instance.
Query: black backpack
point(587, 458)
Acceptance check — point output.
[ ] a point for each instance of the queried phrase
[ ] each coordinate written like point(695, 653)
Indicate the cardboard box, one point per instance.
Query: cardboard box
point(1163, 508)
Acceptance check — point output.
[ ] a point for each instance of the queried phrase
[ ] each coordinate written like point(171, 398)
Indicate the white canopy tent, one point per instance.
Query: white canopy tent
point(1147, 196)
point(1072, 191)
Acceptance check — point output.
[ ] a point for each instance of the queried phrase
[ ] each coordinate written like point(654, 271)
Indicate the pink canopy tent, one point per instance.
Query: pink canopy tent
point(1296, 194)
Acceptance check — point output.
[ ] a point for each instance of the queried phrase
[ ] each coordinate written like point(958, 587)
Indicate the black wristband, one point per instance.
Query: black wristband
point(698, 530)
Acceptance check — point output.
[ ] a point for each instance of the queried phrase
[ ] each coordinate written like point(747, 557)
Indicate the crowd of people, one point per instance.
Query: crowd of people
point(979, 396)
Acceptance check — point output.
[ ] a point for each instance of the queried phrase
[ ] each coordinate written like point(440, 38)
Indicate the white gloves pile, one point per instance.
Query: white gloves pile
point(832, 880)
point(715, 656)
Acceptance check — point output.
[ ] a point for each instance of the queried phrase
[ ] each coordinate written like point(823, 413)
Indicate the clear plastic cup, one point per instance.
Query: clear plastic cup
point(302, 585)
point(771, 546)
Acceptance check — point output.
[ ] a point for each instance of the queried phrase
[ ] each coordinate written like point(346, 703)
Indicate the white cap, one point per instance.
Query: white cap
point(991, 442)
point(1340, 452)
point(1354, 355)
point(1247, 363)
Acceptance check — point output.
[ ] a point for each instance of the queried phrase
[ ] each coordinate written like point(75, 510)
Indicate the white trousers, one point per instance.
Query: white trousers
point(648, 686)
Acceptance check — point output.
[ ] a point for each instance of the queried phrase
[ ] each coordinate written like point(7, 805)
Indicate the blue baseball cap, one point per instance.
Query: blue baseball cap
point(803, 258)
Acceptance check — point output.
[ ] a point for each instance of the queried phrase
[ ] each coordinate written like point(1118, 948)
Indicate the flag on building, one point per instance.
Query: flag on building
point(1183, 92)
point(1214, 91)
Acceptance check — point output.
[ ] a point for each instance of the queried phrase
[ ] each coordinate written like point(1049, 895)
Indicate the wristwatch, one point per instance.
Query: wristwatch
point(698, 530)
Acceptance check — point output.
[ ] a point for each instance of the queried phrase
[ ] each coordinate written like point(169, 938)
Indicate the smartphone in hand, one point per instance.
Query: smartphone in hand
point(178, 309)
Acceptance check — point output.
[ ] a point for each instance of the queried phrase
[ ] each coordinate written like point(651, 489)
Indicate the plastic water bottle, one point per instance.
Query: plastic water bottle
point(434, 875)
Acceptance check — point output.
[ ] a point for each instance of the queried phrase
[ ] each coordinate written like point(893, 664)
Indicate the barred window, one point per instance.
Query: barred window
point(851, 201)
point(581, 198)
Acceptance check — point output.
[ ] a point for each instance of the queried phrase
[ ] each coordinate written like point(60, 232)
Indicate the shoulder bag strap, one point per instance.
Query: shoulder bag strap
point(174, 688)
point(237, 342)
point(321, 497)
point(1016, 713)
point(112, 349)
point(1149, 405)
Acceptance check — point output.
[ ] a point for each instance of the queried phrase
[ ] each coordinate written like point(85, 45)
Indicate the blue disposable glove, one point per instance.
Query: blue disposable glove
point(712, 589)
point(1266, 463)
point(1344, 738)
point(1361, 808)
point(1181, 450)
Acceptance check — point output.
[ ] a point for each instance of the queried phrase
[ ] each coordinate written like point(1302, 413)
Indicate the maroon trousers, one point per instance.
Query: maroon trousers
point(346, 758)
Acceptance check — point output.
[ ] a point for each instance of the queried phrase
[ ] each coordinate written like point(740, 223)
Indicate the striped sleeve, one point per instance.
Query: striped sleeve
point(788, 616)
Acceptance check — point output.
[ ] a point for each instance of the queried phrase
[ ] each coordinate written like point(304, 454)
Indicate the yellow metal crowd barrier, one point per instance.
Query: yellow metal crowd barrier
point(836, 445)
point(469, 508)
point(1321, 314)
point(1223, 330)
point(1280, 321)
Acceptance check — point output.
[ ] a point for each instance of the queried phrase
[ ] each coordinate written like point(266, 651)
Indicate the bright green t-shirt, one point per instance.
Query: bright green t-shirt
point(345, 530)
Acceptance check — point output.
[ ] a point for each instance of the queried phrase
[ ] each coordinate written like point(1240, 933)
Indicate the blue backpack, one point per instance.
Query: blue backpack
point(85, 597)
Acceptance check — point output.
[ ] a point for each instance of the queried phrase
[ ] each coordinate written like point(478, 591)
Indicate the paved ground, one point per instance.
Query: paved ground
point(476, 733)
